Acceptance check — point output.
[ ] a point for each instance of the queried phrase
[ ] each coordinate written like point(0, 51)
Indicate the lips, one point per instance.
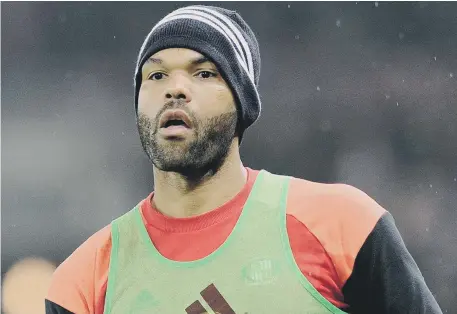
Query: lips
point(173, 118)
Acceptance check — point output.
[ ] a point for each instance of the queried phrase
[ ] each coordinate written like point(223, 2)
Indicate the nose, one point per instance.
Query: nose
point(178, 90)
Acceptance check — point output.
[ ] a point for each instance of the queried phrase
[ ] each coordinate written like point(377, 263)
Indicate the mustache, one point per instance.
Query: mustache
point(173, 104)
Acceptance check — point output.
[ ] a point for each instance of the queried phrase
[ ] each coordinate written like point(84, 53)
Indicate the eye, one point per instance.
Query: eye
point(156, 76)
point(206, 74)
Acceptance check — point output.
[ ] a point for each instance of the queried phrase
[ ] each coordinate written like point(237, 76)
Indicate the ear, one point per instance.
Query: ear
point(239, 132)
point(239, 136)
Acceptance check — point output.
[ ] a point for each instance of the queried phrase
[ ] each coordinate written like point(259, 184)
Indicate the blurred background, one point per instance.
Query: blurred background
point(363, 93)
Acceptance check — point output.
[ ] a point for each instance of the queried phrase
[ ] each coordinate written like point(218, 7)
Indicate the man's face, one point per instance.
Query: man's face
point(186, 112)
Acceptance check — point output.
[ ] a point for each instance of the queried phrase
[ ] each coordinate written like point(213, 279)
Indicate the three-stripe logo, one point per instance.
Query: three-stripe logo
point(214, 299)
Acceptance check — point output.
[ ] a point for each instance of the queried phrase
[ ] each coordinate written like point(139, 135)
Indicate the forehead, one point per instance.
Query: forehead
point(177, 52)
point(177, 57)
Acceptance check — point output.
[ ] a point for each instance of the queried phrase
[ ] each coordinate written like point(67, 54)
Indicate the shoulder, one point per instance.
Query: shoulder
point(75, 282)
point(332, 203)
point(340, 216)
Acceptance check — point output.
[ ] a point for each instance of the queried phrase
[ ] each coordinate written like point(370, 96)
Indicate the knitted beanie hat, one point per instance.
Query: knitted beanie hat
point(220, 35)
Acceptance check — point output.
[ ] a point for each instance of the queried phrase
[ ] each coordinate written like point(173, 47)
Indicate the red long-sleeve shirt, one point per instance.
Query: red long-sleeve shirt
point(344, 243)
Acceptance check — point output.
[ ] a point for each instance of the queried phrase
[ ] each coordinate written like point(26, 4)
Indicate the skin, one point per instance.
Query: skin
point(199, 169)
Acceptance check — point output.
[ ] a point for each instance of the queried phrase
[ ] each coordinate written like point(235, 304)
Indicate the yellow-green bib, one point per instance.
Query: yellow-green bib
point(252, 272)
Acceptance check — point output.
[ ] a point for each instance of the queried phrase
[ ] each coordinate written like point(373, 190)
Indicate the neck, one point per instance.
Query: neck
point(179, 196)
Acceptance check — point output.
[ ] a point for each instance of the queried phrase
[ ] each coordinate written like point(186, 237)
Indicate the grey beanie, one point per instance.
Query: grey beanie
point(222, 36)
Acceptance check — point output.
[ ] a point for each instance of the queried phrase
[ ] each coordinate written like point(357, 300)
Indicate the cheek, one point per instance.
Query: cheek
point(147, 101)
point(224, 94)
point(220, 101)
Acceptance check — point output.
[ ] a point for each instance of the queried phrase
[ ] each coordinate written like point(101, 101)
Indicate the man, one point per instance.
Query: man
point(216, 236)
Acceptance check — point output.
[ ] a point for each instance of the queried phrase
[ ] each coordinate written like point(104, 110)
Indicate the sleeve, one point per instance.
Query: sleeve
point(77, 285)
point(71, 286)
point(385, 277)
point(53, 308)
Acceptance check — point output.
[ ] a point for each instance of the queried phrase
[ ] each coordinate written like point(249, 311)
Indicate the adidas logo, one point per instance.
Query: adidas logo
point(213, 299)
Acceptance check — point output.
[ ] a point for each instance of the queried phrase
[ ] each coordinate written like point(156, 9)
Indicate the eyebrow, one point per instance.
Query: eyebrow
point(196, 61)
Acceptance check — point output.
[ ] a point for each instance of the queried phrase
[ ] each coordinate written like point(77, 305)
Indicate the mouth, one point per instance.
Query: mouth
point(174, 123)
point(175, 119)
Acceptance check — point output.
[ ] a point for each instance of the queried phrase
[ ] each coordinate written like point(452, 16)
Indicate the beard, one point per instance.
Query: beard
point(201, 155)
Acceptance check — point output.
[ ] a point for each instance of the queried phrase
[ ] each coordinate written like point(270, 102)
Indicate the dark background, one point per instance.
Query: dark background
point(363, 93)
